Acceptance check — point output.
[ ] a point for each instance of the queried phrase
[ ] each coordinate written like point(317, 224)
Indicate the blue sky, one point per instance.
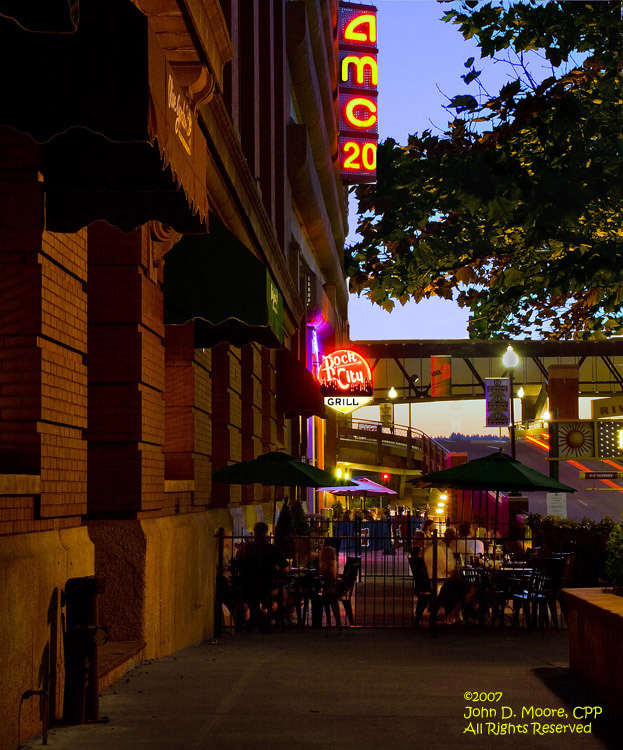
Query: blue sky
point(419, 58)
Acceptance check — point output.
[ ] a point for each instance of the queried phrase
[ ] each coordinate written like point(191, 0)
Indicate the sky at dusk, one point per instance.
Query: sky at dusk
point(420, 59)
point(420, 62)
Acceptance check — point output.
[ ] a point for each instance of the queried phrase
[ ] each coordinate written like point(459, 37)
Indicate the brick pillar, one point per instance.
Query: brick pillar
point(188, 412)
point(563, 388)
point(42, 347)
point(126, 375)
point(251, 402)
point(226, 418)
point(456, 498)
point(272, 426)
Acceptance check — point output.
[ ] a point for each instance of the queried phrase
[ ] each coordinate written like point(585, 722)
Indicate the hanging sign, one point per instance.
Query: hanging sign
point(497, 400)
point(387, 414)
point(345, 380)
point(358, 79)
point(601, 475)
point(440, 376)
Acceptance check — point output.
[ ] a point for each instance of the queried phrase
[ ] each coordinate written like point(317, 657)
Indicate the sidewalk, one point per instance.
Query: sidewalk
point(353, 690)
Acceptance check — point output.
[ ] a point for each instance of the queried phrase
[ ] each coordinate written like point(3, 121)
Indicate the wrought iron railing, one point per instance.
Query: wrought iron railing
point(433, 454)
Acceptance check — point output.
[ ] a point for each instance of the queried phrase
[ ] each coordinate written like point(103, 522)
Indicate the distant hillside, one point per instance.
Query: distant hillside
point(461, 436)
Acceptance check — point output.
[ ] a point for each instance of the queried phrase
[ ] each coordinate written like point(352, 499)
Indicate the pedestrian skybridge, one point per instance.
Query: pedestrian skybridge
point(406, 366)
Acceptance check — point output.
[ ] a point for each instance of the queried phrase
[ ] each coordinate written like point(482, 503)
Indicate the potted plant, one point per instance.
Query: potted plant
point(614, 559)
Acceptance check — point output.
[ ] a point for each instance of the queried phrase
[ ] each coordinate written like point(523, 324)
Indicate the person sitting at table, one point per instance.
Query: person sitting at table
point(515, 544)
point(455, 593)
point(481, 532)
point(327, 571)
point(421, 580)
point(258, 563)
point(466, 543)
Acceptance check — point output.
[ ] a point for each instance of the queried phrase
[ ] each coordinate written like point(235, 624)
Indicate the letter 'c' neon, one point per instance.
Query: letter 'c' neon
point(360, 101)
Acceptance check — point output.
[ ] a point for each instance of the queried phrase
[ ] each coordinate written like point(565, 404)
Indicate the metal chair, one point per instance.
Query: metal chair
point(535, 601)
point(478, 605)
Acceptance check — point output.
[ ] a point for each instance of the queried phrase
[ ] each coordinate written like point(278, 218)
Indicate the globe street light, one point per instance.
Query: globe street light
point(510, 361)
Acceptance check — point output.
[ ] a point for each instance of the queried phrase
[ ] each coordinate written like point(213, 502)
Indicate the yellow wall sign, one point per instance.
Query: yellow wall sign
point(179, 111)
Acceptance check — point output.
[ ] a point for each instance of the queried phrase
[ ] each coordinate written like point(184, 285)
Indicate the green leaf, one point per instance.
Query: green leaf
point(521, 222)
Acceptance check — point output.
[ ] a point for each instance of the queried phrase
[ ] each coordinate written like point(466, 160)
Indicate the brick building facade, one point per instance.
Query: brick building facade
point(201, 114)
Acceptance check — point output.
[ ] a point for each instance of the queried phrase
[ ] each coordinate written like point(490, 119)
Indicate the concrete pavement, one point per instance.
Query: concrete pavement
point(353, 690)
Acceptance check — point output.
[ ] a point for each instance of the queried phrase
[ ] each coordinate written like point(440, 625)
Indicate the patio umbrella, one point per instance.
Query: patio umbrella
point(499, 472)
point(276, 469)
point(364, 487)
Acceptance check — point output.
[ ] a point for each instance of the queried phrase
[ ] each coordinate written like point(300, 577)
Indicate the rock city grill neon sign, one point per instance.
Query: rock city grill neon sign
point(358, 79)
point(345, 380)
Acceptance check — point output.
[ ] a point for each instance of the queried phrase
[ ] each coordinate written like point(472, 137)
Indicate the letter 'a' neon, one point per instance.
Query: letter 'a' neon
point(360, 36)
point(360, 101)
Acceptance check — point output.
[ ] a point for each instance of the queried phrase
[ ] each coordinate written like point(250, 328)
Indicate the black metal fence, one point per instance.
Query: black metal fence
point(394, 574)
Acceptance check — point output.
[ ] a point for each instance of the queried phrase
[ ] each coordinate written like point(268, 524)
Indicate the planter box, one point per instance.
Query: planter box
point(595, 637)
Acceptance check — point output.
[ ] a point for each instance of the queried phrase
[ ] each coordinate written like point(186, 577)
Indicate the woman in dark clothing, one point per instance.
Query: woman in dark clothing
point(421, 580)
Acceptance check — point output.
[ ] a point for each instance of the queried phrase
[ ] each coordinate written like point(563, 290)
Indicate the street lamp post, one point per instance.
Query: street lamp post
point(510, 361)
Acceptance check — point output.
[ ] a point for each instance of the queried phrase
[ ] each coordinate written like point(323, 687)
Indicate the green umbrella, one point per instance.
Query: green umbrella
point(277, 469)
point(497, 471)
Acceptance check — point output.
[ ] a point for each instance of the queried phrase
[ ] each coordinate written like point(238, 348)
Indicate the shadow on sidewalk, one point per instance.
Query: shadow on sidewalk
point(608, 727)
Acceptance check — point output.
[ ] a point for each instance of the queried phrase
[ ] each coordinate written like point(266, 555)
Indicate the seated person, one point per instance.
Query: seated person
point(515, 544)
point(466, 544)
point(455, 592)
point(258, 562)
point(446, 561)
point(421, 580)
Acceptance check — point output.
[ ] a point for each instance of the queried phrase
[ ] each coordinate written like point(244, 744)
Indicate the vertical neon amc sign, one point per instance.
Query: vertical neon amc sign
point(358, 79)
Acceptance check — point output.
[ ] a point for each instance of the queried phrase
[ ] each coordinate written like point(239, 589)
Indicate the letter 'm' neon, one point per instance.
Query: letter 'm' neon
point(360, 64)
point(360, 101)
point(360, 36)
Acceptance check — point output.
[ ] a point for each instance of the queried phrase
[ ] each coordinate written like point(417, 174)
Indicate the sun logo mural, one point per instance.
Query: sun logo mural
point(345, 380)
point(576, 439)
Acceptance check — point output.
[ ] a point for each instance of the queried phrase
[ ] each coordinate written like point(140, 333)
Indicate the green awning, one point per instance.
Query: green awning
point(120, 142)
point(217, 282)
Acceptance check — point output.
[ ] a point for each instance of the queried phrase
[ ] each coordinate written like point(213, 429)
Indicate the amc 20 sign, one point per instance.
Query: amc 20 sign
point(358, 80)
point(345, 380)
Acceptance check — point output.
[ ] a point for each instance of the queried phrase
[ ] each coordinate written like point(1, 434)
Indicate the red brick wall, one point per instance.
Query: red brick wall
point(226, 418)
point(126, 375)
point(188, 412)
point(251, 402)
point(43, 339)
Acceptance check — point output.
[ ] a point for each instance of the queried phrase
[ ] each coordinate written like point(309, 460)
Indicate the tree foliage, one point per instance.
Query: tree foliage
point(516, 210)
